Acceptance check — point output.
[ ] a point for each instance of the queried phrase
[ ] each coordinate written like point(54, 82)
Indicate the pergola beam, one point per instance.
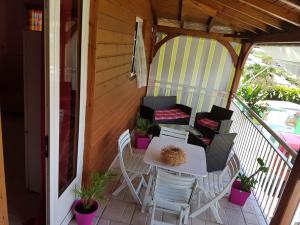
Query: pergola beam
point(275, 10)
point(210, 24)
point(223, 18)
point(293, 3)
point(253, 13)
point(197, 33)
point(286, 37)
point(246, 48)
point(235, 15)
point(180, 16)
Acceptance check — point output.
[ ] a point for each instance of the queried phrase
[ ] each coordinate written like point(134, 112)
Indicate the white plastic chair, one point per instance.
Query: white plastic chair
point(132, 167)
point(178, 135)
point(172, 194)
point(214, 188)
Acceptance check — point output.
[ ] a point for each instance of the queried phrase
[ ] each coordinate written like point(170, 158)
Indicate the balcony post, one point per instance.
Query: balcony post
point(246, 48)
point(290, 198)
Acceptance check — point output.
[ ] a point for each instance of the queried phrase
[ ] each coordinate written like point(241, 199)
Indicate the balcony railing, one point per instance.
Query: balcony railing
point(255, 139)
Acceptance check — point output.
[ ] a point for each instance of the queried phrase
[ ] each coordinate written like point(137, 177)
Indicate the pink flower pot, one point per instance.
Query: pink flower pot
point(141, 141)
point(85, 218)
point(237, 196)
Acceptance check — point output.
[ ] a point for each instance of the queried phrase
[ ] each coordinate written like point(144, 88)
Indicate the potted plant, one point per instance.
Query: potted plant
point(86, 206)
point(241, 188)
point(141, 135)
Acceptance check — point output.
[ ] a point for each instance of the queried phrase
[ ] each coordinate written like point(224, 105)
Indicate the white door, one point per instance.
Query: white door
point(67, 38)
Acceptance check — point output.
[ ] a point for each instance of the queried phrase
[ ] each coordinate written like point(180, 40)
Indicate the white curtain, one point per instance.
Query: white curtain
point(140, 62)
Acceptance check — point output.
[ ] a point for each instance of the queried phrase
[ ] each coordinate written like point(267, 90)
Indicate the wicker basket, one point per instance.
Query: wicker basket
point(173, 155)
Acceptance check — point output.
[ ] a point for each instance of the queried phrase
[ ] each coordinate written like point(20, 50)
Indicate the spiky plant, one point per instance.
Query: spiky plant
point(143, 125)
point(95, 190)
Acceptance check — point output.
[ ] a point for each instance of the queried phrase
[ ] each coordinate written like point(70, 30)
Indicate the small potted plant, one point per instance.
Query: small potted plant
point(241, 188)
point(86, 206)
point(141, 134)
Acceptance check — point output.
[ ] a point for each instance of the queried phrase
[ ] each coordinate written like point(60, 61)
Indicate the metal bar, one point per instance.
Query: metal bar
point(270, 143)
point(274, 134)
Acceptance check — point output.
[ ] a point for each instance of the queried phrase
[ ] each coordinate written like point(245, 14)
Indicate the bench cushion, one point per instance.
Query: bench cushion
point(170, 114)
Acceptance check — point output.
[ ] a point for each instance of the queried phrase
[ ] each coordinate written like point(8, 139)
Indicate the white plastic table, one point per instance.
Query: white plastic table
point(195, 164)
point(195, 157)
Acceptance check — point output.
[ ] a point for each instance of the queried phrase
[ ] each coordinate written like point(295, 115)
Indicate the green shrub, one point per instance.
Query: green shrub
point(283, 93)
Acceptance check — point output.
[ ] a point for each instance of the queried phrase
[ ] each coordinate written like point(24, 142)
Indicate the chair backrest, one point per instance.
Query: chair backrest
point(173, 188)
point(219, 113)
point(232, 168)
point(124, 142)
point(178, 135)
point(218, 151)
point(160, 102)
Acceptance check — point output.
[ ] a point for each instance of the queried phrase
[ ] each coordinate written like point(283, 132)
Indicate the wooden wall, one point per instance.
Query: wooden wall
point(113, 99)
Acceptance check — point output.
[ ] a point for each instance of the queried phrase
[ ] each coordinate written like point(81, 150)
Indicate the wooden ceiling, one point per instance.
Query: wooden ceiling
point(241, 19)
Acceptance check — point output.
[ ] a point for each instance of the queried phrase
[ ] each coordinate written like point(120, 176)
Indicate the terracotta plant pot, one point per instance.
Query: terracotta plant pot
point(141, 141)
point(85, 218)
point(237, 196)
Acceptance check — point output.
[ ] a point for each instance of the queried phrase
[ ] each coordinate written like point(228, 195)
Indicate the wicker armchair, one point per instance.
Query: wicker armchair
point(163, 109)
point(218, 119)
point(217, 149)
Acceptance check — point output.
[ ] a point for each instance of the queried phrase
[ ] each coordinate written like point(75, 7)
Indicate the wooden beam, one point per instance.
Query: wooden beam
point(196, 33)
point(154, 15)
point(293, 3)
point(253, 13)
point(290, 198)
point(246, 48)
point(275, 10)
point(163, 41)
point(210, 23)
point(231, 51)
point(222, 17)
point(225, 18)
point(245, 19)
point(180, 17)
point(286, 37)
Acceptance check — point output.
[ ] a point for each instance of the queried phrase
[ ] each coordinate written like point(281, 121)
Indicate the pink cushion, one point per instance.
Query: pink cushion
point(205, 140)
point(170, 114)
point(212, 124)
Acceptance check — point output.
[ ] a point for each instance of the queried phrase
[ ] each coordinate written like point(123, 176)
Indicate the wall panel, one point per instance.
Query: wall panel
point(113, 99)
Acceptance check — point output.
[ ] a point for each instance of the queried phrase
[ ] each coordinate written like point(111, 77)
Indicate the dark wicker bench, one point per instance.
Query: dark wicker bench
point(153, 107)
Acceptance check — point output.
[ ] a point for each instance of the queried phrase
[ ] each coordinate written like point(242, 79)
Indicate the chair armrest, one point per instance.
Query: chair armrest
point(195, 140)
point(206, 131)
point(184, 108)
point(224, 126)
point(147, 112)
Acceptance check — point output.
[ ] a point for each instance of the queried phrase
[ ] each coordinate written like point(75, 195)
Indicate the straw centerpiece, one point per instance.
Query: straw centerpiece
point(173, 155)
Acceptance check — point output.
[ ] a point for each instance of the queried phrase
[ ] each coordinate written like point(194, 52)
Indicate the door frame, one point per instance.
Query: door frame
point(3, 197)
point(52, 39)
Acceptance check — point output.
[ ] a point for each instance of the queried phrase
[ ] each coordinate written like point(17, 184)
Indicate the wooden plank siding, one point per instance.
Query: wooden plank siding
point(113, 99)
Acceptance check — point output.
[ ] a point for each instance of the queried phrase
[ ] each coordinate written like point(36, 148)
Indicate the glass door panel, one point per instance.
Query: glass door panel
point(69, 90)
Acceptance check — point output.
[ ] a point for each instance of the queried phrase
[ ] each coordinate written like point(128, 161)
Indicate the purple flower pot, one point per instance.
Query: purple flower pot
point(141, 141)
point(84, 218)
point(237, 196)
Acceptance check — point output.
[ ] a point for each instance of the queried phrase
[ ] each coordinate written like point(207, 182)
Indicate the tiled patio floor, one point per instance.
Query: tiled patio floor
point(122, 210)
